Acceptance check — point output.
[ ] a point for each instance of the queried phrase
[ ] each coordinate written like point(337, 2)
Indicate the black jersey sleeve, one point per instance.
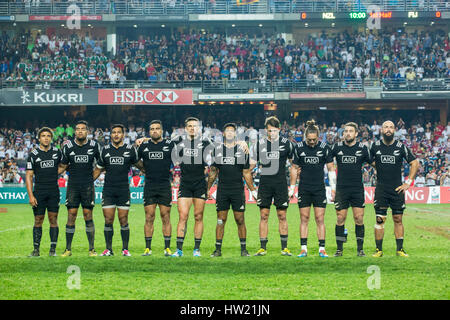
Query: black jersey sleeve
point(372, 152)
point(296, 160)
point(30, 162)
point(134, 155)
point(65, 155)
point(101, 160)
point(407, 154)
point(291, 150)
point(366, 154)
point(328, 154)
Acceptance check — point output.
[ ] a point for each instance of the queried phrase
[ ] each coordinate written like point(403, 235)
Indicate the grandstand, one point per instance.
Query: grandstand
point(300, 59)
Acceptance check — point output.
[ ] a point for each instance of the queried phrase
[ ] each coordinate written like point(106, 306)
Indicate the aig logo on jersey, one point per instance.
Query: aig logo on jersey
point(191, 152)
point(47, 164)
point(155, 155)
point(312, 160)
point(81, 159)
point(387, 159)
point(228, 160)
point(116, 160)
point(348, 159)
point(273, 155)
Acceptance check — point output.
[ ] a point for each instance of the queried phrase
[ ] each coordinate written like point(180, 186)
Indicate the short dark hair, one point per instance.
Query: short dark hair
point(45, 129)
point(272, 121)
point(155, 122)
point(190, 119)
point(118, 125)
point(230, 124)
point(82, 122)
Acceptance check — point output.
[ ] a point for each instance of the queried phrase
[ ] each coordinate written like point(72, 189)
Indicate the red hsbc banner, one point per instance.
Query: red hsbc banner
point(428, 195)
point(145, 96)
point(61, 18)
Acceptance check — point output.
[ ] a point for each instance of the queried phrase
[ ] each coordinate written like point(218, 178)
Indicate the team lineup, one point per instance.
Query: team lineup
point(230, 163)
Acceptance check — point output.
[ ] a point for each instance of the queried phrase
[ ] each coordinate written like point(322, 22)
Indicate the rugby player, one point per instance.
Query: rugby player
point(310, 157)
point(272, 153)
point(387, 158)
point(116, 160)
point(350, 155)
point(156, 155)
point(231, 164)
point(78, 158)
point(42, 164)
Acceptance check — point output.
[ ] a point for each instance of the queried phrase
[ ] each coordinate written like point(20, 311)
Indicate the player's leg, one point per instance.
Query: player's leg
point(199, 208)
point(73, 201)
point(109, 211)
point(305, 213)
point(150, 211)
point(52, 211)
point(264, 202)
point(341, 216)
point(184, 205)
point(239, 217)
point(164, 211)
point(281, 202)
point(124, 228)
point(358, 216)
point(381, 207)
point(398, 206)
point(88, 203)
point(319, 214)
point(220, 227)
point(39, 214)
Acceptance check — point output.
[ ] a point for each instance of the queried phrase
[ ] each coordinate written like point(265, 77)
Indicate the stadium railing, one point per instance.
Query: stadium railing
point(157, 8)
point(244, 86)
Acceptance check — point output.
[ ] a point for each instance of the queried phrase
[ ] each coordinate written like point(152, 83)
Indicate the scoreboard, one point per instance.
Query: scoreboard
point(305, 16)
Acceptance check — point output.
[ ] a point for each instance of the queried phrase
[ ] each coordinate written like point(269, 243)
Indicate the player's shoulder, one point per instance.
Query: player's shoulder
point(34, 152)
point(68, 144)
point(128, 146)
point(323, 145)
point(285, 140)
point(168, 141)
point(398, 144)
point(93, 143)
point(299, 144)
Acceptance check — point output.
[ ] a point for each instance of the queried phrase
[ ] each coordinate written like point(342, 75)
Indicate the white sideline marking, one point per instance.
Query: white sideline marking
point(14, 229)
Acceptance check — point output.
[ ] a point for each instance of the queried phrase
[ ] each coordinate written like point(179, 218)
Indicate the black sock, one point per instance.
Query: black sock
point(148, 242)
point(340, 237)
point(197, 242)
point(109, 233)
point(399, 244)
point(284, 240)
point(303, 241)
point(359, 231)
point(322, 243)
point(379, 244)
point(70, 231)
point(54, 231)
point(90, 232)
point(37, 235)
point(218, 244)
point(167, 242)
point(263, 243)
point(243, 243)
point(125, 233)
point(180, 241)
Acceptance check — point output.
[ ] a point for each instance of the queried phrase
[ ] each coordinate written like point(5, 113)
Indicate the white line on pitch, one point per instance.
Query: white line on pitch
point(14, 229)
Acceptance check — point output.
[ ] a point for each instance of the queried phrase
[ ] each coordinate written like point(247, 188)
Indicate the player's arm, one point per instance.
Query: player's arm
point(29, 183)
point(62, 167)
point(140, 141)
point(64, 163)
point(412, 175)
point(97, 171)
point(293, 175)
point(140, 166)
point(212, 175)
point(247, 173)
point(332, 178)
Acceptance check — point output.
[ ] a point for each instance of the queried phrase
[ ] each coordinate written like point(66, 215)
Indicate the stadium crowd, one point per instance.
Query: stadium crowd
point(204, 55)
point(430, 142)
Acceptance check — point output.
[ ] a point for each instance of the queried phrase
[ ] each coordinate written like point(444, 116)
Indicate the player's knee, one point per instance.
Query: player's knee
point(359, 219)
point(239, 220)
point(380, 218)
point(397, 217)
point(221, 221)
point(38, 220)
point(198, 217)
point(123, 221)
point(340, 219)
point(282, 217)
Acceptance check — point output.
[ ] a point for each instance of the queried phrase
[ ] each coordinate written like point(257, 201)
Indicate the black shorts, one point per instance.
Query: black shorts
point(389, 198)
point(276, 191)
point(46, 200)
point(349, 197)
point(80, 194)
point(193, 189)
point(158, 194)
point(308, 197)
point(230, 197)
point(116, 198)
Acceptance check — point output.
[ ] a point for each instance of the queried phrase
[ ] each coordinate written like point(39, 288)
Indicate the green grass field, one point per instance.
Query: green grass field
point(424, 275)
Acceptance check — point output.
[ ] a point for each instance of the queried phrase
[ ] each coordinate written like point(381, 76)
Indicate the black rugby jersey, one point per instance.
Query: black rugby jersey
point(45, 167)
point(80, 160)
point(157, 159)
point(231, 161)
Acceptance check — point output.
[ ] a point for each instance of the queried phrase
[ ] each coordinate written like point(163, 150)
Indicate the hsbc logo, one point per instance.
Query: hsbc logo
point(116, 160)
point(47, 164)
point(273, 155)
point(348, 159)
point(387, 159)
point(312, 160)
point(81, 159)
point(155, 155)
point(228, 160)
point(144, 96)
point(191, 152)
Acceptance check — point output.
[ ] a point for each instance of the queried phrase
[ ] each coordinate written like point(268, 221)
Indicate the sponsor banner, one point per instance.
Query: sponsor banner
point(64, 18)
point(7, 18)
point(145, 96)
point(428, 195)
point(237, 96)
point(328, 95)
point(150, 18)
point(417, 94)
point(49, 97)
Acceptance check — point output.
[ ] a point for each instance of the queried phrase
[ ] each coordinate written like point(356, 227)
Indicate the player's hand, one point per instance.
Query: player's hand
point(33, 201)
point(402, 188)
point(291, 191)
point(139, 141)
point(244, 146)
point(209, 196)
point(333, 195)
point(254, 194)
